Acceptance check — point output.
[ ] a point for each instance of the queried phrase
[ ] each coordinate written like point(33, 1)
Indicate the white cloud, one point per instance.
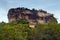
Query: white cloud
point(3, 15)
point(56, 14)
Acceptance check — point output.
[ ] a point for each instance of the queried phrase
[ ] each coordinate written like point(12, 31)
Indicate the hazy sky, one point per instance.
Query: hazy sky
point(51, 6)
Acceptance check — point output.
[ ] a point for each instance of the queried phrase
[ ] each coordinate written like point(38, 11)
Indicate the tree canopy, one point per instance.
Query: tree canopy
point(21, 31)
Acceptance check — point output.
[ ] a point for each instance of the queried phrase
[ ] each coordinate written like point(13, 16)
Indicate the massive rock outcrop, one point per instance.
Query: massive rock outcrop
point(33, 16)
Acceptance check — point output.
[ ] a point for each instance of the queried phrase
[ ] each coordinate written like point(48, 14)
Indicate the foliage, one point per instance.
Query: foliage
point(46, 32)
point(13, 32)
point(22, 31)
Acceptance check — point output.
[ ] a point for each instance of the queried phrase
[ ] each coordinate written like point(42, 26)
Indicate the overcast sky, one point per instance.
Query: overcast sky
point(51, 6)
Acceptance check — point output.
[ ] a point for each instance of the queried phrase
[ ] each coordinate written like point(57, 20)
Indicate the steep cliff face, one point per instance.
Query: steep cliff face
point(33, 16)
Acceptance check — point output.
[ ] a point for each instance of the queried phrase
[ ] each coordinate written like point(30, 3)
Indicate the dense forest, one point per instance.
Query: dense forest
point(20, 30)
